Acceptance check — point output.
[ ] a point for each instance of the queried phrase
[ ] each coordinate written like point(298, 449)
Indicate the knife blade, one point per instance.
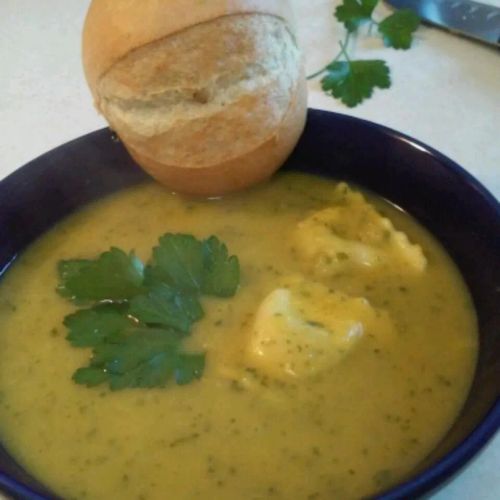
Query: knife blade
point(465, 17)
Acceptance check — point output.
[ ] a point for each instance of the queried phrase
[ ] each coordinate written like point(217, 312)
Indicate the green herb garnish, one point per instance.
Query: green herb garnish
point(167, 306)
point(179, 261)
point(397, 30)
point(194, 266)
point(140, 315)
point(141, 358)
point(100, 324)
point(353, 81)
point(115, 275)
point(221, 273)
point(354, 13)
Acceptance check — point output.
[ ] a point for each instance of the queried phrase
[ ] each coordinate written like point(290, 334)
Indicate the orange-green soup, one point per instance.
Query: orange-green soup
point(383, 343)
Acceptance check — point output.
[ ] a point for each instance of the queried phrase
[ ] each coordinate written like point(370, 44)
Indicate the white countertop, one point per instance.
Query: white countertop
point(446, 93)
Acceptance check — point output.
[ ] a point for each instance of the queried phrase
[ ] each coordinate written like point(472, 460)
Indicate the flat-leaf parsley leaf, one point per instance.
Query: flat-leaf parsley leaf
point(90, 327)
point(353, 13)
point(114, 275)
point(222, 272)
point(397, 29)
point(141, 358)
point(180, 260)
point(195, 266)
point(166, 306)
point(354, 81)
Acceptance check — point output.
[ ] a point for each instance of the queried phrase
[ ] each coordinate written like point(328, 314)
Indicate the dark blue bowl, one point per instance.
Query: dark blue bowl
point(441, 195)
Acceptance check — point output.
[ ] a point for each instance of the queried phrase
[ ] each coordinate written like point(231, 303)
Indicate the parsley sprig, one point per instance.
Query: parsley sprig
point(353, 81)
point(137, 316)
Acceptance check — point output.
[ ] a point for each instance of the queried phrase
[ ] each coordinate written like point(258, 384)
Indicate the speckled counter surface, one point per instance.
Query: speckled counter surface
point(446, 93)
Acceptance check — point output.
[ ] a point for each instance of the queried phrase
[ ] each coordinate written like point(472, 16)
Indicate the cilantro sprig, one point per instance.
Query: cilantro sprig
point(137, 317)
point(353, 81)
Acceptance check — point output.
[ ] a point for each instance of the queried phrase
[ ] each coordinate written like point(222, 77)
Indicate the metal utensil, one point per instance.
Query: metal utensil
point(465, 17)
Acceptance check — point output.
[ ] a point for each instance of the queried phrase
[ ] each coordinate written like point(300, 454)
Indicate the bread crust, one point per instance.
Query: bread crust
point(226, 149)
point(235, 174)
point(112, 28)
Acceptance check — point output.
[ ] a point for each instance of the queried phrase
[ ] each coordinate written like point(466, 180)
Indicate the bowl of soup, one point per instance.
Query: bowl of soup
point(348, 348)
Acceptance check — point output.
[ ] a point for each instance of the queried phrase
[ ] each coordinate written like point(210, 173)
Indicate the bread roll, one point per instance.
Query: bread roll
point(208, 96)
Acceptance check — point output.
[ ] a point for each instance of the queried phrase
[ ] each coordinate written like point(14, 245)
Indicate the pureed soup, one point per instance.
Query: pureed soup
point(339, 364)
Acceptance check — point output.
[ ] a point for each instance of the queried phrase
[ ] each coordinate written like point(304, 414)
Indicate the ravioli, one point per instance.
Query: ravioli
point(305, 329)
point(351, 236)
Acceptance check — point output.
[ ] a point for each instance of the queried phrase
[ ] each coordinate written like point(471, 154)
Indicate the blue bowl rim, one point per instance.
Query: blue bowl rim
point(455, 459)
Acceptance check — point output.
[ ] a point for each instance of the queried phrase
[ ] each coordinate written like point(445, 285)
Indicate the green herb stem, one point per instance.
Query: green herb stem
point(343, 46)
point(371, 25)
point(320, 71)
point(343, 50)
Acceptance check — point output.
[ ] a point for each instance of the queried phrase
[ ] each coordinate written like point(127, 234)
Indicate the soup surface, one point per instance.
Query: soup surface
point(338, 366)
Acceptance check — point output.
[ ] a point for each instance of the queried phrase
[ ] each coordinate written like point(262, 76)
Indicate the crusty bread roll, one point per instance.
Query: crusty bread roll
point(208, 96)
